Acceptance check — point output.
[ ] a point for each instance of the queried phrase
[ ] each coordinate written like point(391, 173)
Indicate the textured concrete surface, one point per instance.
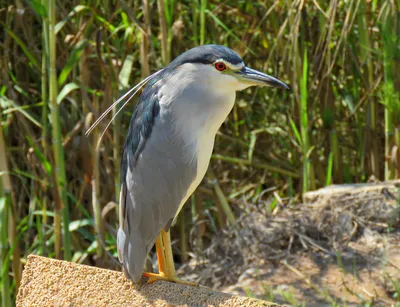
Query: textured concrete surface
point(49, 282)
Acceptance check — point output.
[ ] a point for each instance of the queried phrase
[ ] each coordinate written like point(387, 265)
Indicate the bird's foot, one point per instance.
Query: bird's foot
point(152, 277)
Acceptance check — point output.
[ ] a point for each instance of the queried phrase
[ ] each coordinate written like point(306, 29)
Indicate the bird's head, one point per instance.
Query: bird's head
point(222, 67)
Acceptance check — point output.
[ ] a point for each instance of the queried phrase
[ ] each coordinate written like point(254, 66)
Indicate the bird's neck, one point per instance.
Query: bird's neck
point(203, 116)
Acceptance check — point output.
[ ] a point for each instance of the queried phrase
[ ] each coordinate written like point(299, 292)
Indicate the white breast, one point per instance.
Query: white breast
point(201, 144)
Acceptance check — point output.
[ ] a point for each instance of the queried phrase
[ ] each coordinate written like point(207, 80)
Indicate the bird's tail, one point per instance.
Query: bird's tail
point(130, 244)
point(131, 253)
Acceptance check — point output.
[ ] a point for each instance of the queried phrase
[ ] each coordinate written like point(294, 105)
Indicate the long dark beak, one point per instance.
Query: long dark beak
point(255, 77)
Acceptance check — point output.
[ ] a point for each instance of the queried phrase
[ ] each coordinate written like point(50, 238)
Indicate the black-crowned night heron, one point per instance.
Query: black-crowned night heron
point(168, 148)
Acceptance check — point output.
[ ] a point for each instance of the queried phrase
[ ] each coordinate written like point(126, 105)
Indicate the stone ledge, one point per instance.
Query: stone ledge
point(50, 282)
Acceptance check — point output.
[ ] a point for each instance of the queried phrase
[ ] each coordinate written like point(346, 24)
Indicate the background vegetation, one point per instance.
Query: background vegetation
point(62, 64)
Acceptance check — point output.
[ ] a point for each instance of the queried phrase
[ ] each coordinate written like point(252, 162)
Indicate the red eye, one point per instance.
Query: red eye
point(220, 66)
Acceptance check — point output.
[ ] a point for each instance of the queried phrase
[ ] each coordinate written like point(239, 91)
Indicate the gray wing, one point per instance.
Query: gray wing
point(155, 176)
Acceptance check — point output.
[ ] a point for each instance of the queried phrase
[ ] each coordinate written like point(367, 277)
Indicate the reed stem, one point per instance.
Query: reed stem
point(58, 150)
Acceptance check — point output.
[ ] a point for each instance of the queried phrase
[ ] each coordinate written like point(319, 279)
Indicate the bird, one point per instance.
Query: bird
point(168, 147)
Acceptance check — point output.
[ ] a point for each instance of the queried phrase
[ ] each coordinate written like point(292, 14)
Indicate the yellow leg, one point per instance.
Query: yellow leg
point(160, 255)
point(169, 258)
point(166, 264)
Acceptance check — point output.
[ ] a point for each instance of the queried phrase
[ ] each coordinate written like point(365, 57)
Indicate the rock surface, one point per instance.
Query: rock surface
point(339, 191)
point(49, 282)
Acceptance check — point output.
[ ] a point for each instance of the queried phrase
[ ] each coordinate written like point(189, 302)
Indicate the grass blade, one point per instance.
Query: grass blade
point(304, 125)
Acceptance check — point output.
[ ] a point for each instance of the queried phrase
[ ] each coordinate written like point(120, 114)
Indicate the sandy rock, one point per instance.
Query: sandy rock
point(49, 282)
